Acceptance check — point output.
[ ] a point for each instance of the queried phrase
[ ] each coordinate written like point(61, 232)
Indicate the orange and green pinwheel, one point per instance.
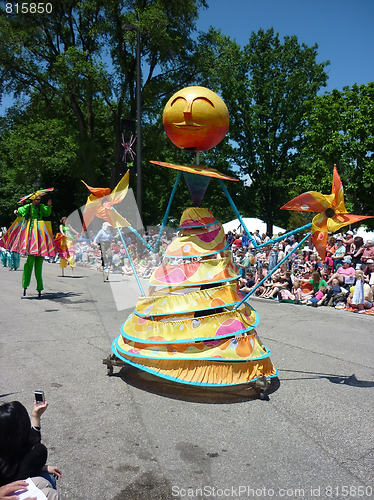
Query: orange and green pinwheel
point(332, 212)
point(100, 204)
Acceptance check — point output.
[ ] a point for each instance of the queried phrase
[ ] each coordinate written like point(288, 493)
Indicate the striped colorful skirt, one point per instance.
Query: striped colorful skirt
point(32, 237)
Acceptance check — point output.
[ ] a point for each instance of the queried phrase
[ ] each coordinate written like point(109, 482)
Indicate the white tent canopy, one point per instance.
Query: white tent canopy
point(252, 224)
point(365, 234)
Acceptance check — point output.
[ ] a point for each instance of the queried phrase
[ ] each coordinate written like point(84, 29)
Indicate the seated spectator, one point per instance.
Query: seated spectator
point(318, 298)
point(369, 273)
point(243, 263)
point(362, 296)
point(296, 291)
point(368, 252)
point(286, 292)
point(237, 243)
point(314, 267)
point(257, 237)
point(276, 281)
point(126, 269)
point(230, 238)
point(298, 267)
point(245, 285)
point(306, 253)
point(330, 250)
point(331, 245)
point(245, 242)
point(116, 260)
point(315, 281)
point(21, 453)
point(276, 287)
point(348, 242)
point(339, 254)
point(345, 274)
point(357, 251)
point(262, 273)
point(299, 294)
point(281, 253)
point(273, 257)
point(335, 293)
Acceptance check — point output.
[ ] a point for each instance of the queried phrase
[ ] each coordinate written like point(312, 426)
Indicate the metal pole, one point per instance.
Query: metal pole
point(139, 186)
point(139, 126)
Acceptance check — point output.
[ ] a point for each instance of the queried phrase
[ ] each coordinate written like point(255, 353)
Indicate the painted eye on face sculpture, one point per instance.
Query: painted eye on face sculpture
point(191, 113)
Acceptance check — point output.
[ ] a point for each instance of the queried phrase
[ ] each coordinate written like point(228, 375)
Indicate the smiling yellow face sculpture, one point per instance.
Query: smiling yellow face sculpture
point(196, 119)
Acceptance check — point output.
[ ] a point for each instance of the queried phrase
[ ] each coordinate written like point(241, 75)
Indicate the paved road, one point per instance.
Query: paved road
point(133, 436)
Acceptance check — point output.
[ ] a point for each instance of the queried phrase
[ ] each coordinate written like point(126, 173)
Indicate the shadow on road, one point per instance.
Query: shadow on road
point(192, 393)
point(62, 297)
point(71, 277)
point(334, 379)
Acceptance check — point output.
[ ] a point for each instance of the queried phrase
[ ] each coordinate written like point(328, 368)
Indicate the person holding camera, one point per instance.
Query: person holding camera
point(22, 455)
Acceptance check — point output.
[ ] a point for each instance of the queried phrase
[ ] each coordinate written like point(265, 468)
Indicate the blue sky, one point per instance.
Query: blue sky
point(342, 29)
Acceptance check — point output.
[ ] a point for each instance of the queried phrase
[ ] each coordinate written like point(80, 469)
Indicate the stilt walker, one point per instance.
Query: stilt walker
point(64, 243)
point(30, 235)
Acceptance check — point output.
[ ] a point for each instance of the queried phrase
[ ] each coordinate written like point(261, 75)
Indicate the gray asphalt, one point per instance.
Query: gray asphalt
point(134, 436)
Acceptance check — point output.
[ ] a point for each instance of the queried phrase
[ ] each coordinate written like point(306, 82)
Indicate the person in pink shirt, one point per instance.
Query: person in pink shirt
point(345, 273)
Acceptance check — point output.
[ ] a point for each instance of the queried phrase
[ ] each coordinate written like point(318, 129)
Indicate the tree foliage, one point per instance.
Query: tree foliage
point(340, 130)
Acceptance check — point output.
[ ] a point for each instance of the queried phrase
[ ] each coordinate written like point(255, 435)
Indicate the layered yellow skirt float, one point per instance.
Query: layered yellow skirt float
point(189, 328)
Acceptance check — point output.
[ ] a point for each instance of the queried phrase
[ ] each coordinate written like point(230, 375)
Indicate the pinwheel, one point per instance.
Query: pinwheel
point(332, 212)
point(100, 204)
point(40, 192)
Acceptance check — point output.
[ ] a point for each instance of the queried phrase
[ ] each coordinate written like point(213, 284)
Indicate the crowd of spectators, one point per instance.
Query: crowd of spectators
point(344, 279)
point(88, 251)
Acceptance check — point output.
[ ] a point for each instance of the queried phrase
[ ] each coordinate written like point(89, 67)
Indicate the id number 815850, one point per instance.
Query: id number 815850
point(28, 8)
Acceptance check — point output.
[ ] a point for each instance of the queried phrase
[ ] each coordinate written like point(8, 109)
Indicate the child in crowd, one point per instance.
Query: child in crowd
point(318, 298)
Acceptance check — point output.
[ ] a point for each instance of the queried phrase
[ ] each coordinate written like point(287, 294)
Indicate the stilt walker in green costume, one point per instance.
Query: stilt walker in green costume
point(31, 235)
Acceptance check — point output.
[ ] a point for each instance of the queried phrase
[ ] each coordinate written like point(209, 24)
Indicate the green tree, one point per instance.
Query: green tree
point(340, 130)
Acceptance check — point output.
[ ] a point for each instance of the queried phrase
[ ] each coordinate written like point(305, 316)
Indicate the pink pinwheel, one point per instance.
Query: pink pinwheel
point(332, 212)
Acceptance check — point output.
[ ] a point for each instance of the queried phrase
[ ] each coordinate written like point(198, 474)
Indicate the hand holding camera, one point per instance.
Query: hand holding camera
point(40, 405)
